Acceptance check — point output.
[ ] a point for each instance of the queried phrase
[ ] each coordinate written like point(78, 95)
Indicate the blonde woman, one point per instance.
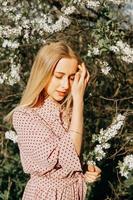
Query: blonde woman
point(49, 125)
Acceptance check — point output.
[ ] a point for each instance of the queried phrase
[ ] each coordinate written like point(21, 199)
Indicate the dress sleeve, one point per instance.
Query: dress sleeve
point(40, 148)
point(37, 144)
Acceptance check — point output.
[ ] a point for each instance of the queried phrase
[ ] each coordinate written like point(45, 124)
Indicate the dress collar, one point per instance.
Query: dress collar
point(51, 106)
point(51, 111)
point(54, 103)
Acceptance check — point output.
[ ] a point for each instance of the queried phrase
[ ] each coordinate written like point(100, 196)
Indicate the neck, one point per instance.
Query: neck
point(54, 101)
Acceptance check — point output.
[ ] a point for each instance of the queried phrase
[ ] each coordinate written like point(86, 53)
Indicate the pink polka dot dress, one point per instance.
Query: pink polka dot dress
point(48, 154)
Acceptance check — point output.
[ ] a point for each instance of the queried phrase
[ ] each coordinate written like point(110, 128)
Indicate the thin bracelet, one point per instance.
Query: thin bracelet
point(75, 132)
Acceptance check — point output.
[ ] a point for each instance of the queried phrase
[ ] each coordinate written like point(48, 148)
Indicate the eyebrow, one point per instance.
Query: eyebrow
point(64, 73)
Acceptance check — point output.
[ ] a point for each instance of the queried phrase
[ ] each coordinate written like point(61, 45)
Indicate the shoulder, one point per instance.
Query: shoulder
point(22, 110)
point(23, 118)
point(21, 113)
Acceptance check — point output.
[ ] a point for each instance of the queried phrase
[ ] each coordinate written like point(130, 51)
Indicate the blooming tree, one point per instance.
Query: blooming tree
point(101, 32)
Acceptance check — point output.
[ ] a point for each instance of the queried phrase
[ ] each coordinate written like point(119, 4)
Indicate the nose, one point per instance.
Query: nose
point(65, 83)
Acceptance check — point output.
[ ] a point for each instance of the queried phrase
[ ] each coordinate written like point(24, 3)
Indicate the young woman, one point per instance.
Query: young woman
point(49, 125)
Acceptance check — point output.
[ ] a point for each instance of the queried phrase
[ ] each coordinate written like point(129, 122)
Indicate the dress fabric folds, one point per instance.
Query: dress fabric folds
point(48, 154)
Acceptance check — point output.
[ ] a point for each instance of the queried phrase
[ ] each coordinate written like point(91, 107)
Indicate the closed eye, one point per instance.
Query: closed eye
point(60, 75)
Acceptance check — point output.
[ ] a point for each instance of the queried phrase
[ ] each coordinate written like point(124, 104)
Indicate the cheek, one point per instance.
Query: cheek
point(53, 84)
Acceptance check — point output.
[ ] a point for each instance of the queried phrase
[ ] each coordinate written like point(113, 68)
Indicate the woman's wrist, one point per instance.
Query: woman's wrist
point(78, 102)
point(75, 131)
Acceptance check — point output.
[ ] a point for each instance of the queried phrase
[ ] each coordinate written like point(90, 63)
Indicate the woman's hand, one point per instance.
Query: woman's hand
point(93, 174)
point(80, 83)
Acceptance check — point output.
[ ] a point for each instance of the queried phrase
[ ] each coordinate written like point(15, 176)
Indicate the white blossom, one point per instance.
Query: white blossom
point(94, 138)
point(98, 152)
point(77, 1)
point(115, 49)
point(1, 80)
point(112, 130)
point(117, 1)
point(105, 70)
point(44, 41)
point(128, 58)
point(8, 31)
point(11, 135)
point(92, 3)
point(62, 23)
point(106, 145)
point(14, 74)
point(10, 44)
point(59, 25)
point(89, 53)
point(120, 117)
point(36, 22)
point(25, 23)
point(4, 3)
point(69, 10)
point(96, 51)
point(123, 50)
point(26, 35)
point(105, 135)
point(127, 10)
point(18, 16)
point(3, 77)
point(128, 160)
point(126, 166)
point(15, 70)
point(91, 162)
point(120, 44)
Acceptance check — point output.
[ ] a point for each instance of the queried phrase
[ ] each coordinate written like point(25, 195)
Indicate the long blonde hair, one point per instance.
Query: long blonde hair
point(41, 73)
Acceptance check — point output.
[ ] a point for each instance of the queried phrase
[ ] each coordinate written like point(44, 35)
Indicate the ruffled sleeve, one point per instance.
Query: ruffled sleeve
point(40, 148)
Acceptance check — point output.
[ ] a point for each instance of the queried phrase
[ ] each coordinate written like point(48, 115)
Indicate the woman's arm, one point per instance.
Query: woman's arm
point(76, 126)
point(78, 89)
point(40, 148)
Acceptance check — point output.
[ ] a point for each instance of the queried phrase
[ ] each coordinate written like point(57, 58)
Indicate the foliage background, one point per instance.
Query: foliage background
point(94, 24)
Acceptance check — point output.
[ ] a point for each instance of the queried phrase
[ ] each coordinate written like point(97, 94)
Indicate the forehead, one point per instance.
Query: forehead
point(67, 65)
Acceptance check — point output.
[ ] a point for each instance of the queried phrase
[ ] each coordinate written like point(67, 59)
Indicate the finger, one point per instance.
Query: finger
point(77, 76)
point(94, 168)
point(90, 180)
point(97, 169)
point(93, 176)
point(88, 76)
point(80, 66)
point(93, 179)
point(91, 168)
point(92, 173)
point(84, 71)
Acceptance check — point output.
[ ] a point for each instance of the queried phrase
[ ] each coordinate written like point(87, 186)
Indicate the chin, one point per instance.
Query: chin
point(58, 98)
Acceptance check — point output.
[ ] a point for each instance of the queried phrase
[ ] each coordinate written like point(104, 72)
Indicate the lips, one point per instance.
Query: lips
point(61, 93)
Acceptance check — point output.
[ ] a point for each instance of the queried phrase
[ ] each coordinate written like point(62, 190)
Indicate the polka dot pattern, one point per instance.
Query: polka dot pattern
point(48, 154)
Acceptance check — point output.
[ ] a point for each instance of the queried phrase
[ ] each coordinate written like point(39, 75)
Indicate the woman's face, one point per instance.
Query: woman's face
point(62, 79)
